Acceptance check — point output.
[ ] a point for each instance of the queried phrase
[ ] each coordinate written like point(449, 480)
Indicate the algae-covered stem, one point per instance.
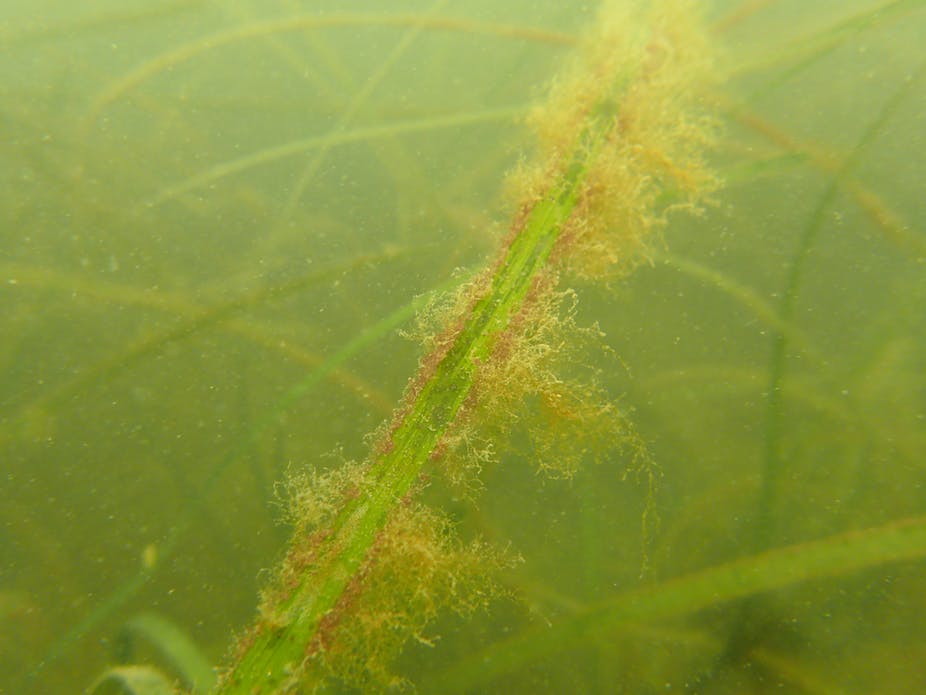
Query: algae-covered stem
point(328, 570)
point(431, 407)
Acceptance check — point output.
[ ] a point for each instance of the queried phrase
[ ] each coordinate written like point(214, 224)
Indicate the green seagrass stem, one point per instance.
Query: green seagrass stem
point(273, 659)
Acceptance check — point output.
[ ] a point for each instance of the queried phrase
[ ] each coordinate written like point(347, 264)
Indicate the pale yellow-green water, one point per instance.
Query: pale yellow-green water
point(216, 217)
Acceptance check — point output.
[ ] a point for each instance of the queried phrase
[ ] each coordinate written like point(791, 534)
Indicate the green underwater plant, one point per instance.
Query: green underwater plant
point(368, 564)
point(201, 310)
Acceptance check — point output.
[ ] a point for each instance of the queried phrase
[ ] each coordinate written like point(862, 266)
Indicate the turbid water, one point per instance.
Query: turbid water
point(226, 224)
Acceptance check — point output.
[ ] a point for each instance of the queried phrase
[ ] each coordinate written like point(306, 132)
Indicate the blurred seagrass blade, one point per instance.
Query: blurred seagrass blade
point(133, 680)
point(193, 318)
point(838, 555)
point(773, 460)
point(177, 650)
point(795, 152)
point(804, 52)
point(181, 54)
point(321, 142)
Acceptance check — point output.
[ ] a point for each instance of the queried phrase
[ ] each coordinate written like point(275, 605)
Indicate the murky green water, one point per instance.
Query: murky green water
point(216, 216)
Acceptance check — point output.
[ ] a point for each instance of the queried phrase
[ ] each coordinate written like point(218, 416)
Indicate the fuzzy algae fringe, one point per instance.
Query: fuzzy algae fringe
point(621, 141)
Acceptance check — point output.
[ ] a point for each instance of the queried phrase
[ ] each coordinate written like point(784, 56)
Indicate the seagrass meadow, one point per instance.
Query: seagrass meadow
point(441, 346)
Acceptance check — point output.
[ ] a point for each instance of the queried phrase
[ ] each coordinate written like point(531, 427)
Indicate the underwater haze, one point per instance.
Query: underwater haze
point(226, 229)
